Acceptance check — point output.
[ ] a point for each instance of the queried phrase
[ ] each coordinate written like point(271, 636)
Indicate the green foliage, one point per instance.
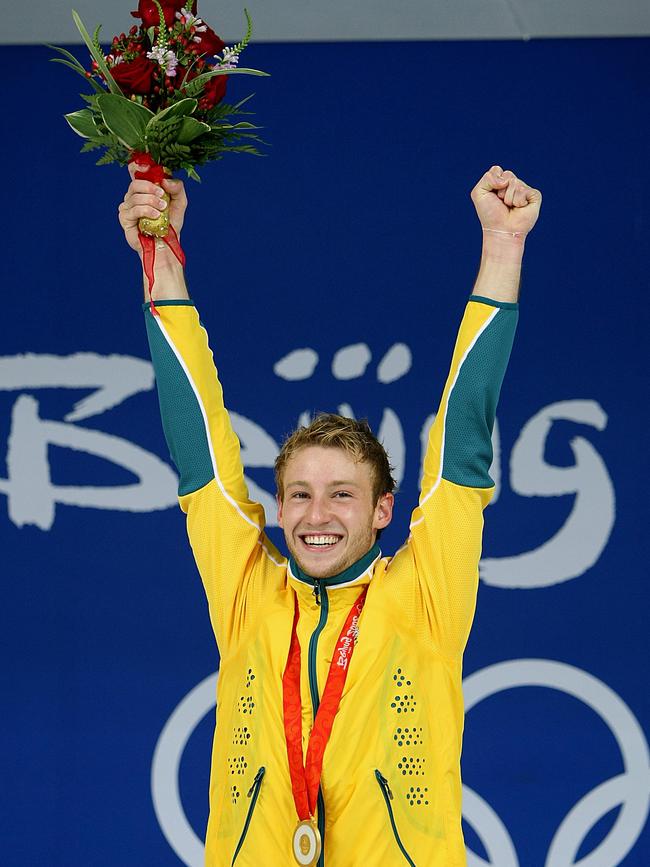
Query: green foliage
point(124, 118)
point(97, 55)
point(162, 26)
point(191, 129)
point(182, 108)
point(72, 63)
point(249, 32)
point(82, 122)
point(160, 135)
point(197, 84)
point(96, 42)
point(182, 134)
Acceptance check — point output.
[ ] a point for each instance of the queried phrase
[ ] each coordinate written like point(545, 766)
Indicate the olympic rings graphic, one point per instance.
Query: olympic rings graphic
point(164, 771)
point(630, 789)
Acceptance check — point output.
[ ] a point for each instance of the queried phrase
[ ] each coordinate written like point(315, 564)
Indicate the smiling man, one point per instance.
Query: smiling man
point(335, 494)
point(339, 708)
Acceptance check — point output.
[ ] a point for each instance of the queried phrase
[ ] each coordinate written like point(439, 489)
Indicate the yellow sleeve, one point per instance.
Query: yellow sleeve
point(444, 546)
point(238, 565)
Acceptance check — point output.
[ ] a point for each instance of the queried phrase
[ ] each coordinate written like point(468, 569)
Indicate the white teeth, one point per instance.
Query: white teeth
point(320, 540)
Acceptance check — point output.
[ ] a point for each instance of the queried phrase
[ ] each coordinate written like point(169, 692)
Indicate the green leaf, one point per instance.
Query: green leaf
point(126, 119)
point(196, 85)
point(182, 108)
point(249, 32)
point(241, 102)
point(67, 54)
point(82, 122)
point(191, 128)
point(96, 55)
point(162, 25)
point(82, 72)
point(243, 124)
point(191, 172)
point(96, 38)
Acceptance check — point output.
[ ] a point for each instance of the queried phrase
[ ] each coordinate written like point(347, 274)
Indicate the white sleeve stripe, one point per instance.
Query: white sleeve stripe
point(282, 564)
point(213, 459)
point(424, 497)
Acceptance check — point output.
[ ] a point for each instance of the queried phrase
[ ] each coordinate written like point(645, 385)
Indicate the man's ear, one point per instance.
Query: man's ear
point(278, 500)
point(383, 511)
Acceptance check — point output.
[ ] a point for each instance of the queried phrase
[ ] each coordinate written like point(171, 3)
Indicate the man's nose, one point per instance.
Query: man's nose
point(318, 512)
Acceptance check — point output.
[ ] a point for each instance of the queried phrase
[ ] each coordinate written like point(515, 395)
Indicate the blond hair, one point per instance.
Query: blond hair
point(337, 432)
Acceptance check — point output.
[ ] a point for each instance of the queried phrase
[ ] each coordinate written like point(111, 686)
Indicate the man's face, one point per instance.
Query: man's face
point(327, 512)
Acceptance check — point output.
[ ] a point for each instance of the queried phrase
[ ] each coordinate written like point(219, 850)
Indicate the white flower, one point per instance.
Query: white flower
point(229, 58)
point(166, 58)
point(113, 61)
point(191, 20)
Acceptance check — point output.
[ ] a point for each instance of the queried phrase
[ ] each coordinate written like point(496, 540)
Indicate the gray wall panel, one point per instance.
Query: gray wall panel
point(289, 20)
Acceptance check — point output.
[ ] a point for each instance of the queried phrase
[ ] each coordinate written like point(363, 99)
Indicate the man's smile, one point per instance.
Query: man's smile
point(319, 541)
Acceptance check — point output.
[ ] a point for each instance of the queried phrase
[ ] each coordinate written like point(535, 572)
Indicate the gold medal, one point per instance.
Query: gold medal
point(307, 843)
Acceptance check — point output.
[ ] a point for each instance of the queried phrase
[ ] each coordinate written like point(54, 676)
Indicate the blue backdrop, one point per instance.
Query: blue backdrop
point(354, 240)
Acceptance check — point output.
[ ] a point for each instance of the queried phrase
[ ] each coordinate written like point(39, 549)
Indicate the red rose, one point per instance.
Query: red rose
point(214, 91)
point(148, 11)
point(209, 43)
point(135, 76)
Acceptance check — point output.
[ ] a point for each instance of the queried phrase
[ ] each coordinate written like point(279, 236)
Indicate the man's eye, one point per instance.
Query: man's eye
point(342, 494)
point(299, 495)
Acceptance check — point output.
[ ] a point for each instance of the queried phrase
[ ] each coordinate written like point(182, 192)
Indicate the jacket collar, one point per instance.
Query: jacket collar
point(358, 573)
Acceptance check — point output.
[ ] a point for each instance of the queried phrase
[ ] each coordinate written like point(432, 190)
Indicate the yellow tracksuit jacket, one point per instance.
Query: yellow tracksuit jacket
point(390, 790)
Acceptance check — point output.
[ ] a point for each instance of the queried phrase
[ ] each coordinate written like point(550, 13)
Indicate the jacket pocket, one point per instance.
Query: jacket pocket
point(388, 797)
point(253, 793)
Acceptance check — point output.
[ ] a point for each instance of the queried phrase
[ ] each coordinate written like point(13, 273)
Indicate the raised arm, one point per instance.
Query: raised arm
point(447, 525)
point(236, 561)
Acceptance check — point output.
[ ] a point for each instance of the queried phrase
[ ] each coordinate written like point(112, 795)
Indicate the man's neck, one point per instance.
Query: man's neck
point(347, 576)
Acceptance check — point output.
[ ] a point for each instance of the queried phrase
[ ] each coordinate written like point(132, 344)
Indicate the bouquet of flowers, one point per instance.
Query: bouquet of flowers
point(158, 101)
point(160, 89)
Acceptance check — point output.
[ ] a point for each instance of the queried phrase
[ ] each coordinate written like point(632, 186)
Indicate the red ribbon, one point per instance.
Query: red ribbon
point(305, 780)
point(156, 174)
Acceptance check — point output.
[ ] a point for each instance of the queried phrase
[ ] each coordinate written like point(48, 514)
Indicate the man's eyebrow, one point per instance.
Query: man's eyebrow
point(348, 483)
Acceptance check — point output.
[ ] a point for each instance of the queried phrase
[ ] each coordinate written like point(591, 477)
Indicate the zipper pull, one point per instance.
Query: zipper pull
point(258, 777)
point(316, 591)
point(384, 782)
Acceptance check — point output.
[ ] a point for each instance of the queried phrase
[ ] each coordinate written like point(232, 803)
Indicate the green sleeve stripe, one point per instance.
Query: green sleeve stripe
point(181, 414)
point(505, 305)
point(473, 402)
point(181, 302)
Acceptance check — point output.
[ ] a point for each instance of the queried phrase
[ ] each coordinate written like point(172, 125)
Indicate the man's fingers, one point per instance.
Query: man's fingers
point(509, 197)
point(133, 168)
point(533, 196)
point(176, 190)
point(130, 214)
point(524, 195)
point(492, 180)
point(520, 198)
point(141, 186)
point(138, 199)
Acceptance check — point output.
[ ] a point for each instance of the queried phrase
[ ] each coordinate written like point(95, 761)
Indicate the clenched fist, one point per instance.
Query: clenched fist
point(505, 203)
point(144, 199)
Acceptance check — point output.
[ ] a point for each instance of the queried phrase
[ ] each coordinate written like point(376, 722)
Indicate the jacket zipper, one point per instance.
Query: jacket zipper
point(322, 599)
point(252, 792)
point(388, 797)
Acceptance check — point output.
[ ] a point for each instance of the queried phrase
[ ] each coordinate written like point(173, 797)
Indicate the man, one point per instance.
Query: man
point(327, 750)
